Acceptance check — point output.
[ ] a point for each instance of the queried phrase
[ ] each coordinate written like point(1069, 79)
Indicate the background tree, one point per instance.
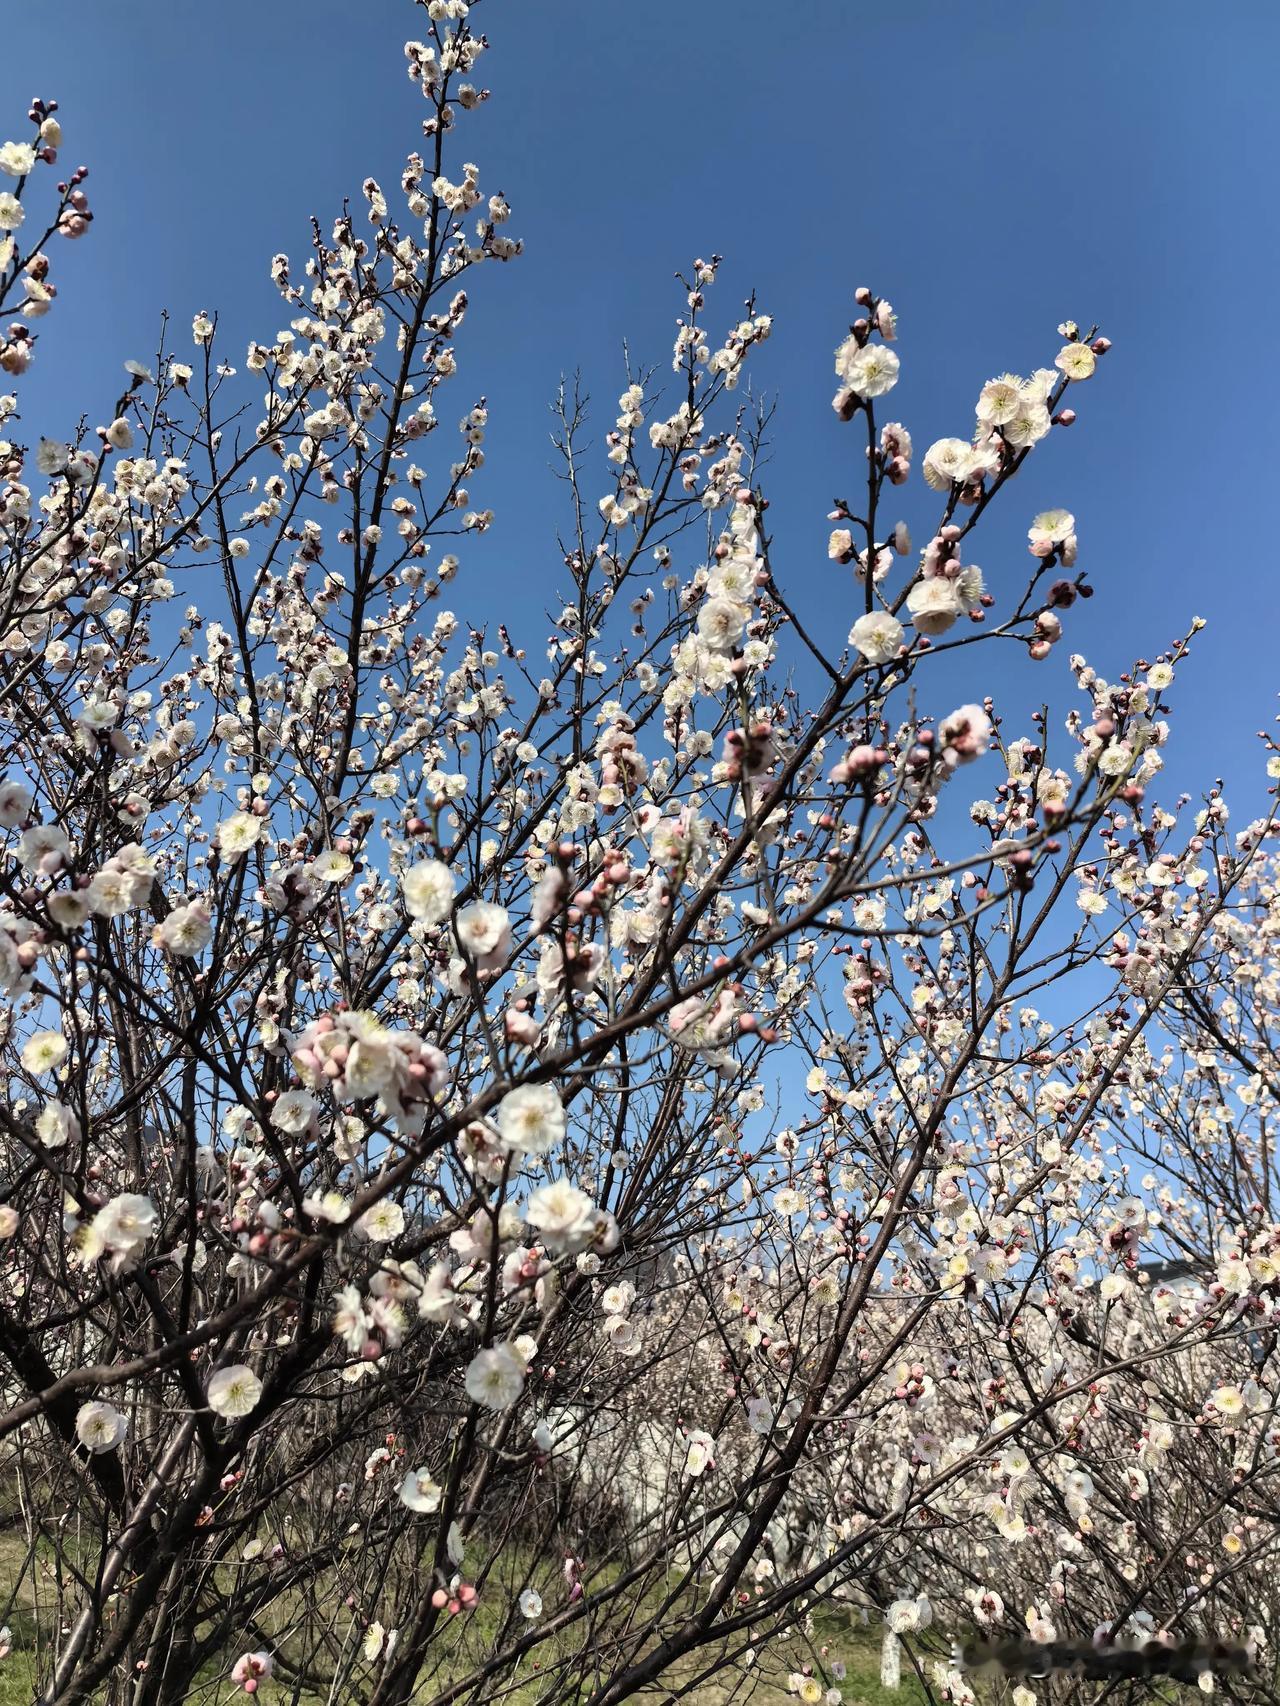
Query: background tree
point(539, 1171)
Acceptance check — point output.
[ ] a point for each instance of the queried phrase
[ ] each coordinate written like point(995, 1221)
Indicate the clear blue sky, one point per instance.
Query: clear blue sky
point(991, 168)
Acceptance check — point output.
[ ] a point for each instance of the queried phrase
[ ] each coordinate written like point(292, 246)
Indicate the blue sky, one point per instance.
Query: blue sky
point(992, 169)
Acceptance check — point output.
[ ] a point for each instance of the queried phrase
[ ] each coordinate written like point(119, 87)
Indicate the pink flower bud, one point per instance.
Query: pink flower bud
point(864, 760)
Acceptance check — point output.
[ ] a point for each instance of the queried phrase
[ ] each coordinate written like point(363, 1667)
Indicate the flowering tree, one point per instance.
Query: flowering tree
point(544, 1174)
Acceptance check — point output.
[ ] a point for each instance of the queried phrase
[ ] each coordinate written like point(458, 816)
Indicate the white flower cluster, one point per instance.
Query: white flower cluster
point(565, 1223)
point(185, 931)
point(866, 370)
point(568, 1222)
point(356, 1057)
point(118, 1231)
point(19, 953)
point(1013, 415)
point(725, 644)
point(707, 1024)
point(122, 884)
point(946, 588)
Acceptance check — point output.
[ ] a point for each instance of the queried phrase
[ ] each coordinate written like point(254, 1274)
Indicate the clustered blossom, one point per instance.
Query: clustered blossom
point(1013, 415)
point(866, 370)
point(355, 1057)
point(946, 589)
point(118, 1232)
point(965, 734)
point(566, 1220)
point(724, 644)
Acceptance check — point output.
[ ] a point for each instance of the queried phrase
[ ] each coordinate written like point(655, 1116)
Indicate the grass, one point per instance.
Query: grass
point(858, 1647)
point(859, 1650)
point(861, 1687)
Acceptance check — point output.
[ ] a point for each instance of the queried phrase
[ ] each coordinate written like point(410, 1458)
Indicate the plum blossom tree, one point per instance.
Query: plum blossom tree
point(550, 1169)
